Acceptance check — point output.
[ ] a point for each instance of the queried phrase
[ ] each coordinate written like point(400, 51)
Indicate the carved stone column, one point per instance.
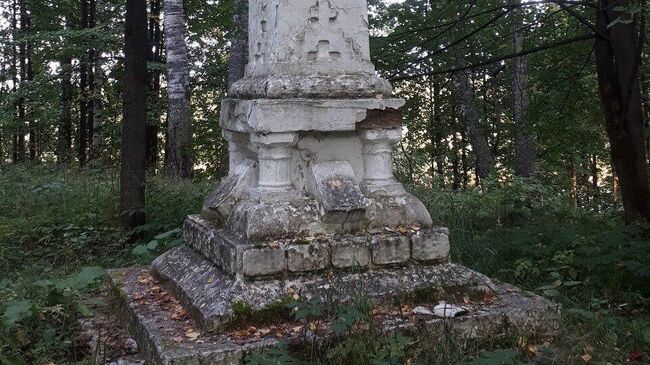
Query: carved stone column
point(274, 153)
point(378, 147)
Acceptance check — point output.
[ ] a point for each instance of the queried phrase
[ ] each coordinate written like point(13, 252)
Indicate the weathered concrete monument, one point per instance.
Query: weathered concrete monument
point(310, 203)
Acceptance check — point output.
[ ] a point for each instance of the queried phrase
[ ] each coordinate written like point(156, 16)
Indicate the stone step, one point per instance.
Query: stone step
point(294, 256)
point(149, 312)
point(209, 294)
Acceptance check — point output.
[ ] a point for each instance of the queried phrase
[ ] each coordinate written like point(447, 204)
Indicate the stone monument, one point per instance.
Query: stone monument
point(310, 200)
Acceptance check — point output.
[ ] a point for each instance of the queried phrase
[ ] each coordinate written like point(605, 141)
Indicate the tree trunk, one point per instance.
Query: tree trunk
point(239, 42)
point(525, 151)
point(19, 142)
point(64, 142)
point(98, 110)
point(15, 137)
point(178, 154)
point(132, 173)
point(82, 132)
point(469, 118)
point(617, 65)
point(26, 25)
point(90, 100)
point(154, 56)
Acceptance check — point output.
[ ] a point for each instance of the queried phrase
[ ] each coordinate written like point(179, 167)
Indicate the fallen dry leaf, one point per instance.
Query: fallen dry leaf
point(192, 335)
point(586, 357)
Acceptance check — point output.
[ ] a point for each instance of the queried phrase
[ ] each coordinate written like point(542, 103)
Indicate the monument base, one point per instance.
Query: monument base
point(186, 311)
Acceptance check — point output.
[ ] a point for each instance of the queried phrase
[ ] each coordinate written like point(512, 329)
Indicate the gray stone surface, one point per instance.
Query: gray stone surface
point(305, 253)
point(208, 293)
point(263, 261)
point(350, 255)
point(430, 246)
point(401, 210)
point(163, 340)
point(392, 249)
point(308, 257)
point(339, 195)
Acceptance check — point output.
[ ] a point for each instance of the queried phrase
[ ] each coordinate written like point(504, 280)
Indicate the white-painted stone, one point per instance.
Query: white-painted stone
point(377, 157)
point(274, 153)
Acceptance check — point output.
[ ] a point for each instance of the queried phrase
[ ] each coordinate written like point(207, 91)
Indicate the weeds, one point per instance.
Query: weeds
point(53, 223)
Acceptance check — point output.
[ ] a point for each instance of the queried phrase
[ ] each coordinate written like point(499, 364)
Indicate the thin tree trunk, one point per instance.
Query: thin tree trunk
point(573, 183)
point(469, 118)
point(239, 42)
point(90, 101)
point(525, 151)
point(617, 66)
point(178, 154)
point(153, 117)
point(64, 142)
point(19, 142)
point(82, 132)
point(26, 25)
point(15, 137)
point(98, 110)
point(132, 173)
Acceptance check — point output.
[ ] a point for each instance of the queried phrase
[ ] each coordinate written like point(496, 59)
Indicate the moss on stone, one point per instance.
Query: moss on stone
point(244, 315)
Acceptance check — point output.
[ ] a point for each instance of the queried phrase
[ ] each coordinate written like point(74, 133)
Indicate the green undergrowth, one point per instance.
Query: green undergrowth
point(59, 230)
point(58, 233)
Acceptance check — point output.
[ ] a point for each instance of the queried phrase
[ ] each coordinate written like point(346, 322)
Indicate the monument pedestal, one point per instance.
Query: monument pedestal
point(310, 208)
point(149, 302)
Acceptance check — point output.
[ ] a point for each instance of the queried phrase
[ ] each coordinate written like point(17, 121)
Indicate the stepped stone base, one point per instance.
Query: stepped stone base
point(175, 309)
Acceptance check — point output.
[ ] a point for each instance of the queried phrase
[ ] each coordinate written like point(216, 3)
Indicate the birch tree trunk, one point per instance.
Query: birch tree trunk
point(178, 154)
point(525, 151)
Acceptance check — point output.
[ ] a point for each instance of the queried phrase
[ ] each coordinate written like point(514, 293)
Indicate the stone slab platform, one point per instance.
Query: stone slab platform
point(209, 294)
point(167, 335)
point(298, 256)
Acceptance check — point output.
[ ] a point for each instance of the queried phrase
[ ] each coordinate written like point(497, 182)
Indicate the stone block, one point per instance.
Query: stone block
point(263, 261)
point(431, 245)
point(308, 257)
point(340, 197)
point(199, 234)
point(218, 206)
point(390, 250)
point(348, 255)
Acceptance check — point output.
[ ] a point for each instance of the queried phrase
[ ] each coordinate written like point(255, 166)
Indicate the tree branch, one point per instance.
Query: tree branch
point(563, 42)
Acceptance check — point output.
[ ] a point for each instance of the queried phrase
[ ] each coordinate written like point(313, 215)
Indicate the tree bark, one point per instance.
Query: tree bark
point(64, 142)
point(525, 151)
point(239, 42)
point(617, 65)
point(154, 56)
point(132, 173)
point(178, 154)
point(98, 110)
point(82, 132)
point(90, 100)
point(468, 115)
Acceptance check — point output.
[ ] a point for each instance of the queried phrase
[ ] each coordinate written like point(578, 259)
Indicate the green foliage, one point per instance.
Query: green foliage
point(499, 357)
point(56, 228)
point(41, 321)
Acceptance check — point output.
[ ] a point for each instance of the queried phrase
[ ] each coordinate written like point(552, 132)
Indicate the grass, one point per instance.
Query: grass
point(54, 223)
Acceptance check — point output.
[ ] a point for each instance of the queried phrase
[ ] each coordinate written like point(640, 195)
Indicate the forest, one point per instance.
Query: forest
point(524, 132)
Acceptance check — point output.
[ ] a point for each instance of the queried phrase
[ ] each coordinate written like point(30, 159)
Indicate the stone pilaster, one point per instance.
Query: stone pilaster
point(274, 151)
point(378, 147)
